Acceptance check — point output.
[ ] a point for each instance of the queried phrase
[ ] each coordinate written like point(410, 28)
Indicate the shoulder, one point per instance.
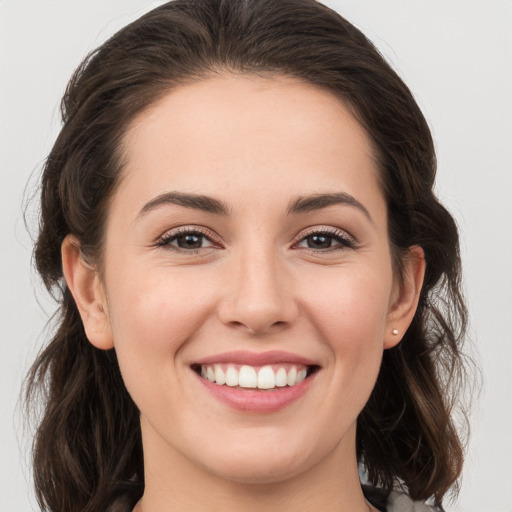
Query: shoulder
point(400, 502)
point(395, 501)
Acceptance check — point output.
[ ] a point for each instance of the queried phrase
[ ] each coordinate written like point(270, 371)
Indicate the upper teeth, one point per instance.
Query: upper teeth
point(245, 376)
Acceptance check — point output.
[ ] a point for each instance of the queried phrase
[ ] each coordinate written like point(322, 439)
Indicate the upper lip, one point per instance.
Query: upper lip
point(256, 359)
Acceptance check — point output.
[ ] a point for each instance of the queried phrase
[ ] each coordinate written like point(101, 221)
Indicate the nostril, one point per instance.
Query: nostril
point(256, 309)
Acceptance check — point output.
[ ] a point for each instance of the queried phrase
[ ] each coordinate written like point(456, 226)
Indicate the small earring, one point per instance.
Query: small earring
point(395, 331)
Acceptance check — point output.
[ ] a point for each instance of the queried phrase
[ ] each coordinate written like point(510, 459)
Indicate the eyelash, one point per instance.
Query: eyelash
point(345, 241)
point(166, 240)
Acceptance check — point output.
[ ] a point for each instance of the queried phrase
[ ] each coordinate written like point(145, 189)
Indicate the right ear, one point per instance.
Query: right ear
point(87, 289)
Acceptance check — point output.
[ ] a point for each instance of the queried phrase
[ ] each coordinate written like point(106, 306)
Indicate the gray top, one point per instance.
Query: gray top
point(399, 502)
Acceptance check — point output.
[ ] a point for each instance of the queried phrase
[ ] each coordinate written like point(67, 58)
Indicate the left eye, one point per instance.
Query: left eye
point(319, 241)
point(187, 241)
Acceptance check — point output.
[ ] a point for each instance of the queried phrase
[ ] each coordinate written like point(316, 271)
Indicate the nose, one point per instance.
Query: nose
point(259, 297)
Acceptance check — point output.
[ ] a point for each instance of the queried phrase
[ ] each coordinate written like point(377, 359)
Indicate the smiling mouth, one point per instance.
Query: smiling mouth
point(267, 377)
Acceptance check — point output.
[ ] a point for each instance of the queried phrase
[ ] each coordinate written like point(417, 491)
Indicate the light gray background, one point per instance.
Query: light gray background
point(456, 56)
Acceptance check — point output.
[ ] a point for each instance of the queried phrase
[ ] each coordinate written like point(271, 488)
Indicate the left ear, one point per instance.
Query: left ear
point(405, 297)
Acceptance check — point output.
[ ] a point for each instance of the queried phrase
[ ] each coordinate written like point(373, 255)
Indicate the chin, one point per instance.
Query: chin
point(263, 461)
point(259, 471)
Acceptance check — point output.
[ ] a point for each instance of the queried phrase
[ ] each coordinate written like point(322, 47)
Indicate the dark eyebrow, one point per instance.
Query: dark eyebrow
point(197, 202)
point(314, 202)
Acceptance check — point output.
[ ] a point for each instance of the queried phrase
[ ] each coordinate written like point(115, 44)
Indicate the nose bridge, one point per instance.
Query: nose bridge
point(260, 296)
point(259, 277)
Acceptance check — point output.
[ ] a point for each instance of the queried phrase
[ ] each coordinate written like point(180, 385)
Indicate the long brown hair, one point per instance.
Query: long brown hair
point(87, 451)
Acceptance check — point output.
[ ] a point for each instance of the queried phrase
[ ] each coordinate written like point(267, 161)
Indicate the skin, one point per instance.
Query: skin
point(256, 144)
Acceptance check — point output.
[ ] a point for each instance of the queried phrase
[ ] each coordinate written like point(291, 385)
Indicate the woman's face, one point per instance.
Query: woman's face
point(247, 242)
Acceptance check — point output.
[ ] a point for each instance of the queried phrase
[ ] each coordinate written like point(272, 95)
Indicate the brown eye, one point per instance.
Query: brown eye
point(326, 241)
point(319, 241)
point(191, 240)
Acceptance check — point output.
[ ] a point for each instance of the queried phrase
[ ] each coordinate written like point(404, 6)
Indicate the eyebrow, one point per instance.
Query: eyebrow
point(303, 204)
point(315, 202)
point(197, 202)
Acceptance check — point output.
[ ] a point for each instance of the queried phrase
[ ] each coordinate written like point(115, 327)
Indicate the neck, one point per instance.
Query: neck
point(175, 483)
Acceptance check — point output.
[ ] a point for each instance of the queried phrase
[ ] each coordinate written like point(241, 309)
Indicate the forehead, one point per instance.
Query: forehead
point(232, 132)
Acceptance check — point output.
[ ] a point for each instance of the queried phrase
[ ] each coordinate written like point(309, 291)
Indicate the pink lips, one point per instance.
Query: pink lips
point(256, 401)
point(255, 359)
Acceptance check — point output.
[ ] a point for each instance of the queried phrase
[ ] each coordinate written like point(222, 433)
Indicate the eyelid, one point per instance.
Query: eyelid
point(165, 239)
point(330, 231)
point(347, 240)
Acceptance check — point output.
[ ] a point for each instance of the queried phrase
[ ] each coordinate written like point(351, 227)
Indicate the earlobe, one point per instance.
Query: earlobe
point(404, 305)
point(84, 283)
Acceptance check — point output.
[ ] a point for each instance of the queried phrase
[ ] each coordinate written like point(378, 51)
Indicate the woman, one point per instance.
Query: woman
point(260, 292)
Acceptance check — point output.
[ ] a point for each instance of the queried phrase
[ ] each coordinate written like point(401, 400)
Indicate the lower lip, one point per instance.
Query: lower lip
point(257, 401)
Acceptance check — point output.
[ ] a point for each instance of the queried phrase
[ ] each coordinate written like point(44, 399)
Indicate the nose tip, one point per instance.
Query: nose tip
point(259, 299)
point(258, 318)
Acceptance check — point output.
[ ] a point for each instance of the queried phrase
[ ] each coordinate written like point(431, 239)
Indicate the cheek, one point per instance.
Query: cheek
point(152, 316)
point(350, 307)
point(350, 312)
point(155, 300)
